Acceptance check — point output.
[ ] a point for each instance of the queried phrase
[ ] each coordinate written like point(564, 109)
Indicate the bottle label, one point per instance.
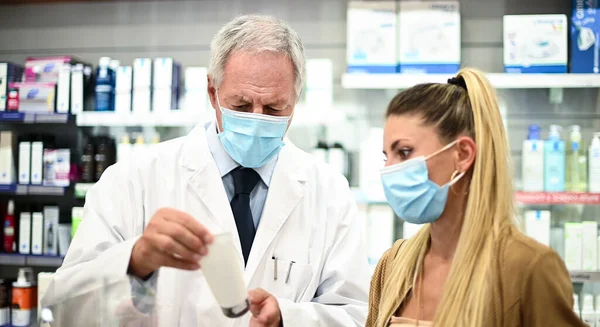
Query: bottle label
point(575, 146)
point(9, 231)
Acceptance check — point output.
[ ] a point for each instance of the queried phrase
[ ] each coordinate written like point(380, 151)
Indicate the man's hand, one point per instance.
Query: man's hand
point(264, 308)
point(171, 239)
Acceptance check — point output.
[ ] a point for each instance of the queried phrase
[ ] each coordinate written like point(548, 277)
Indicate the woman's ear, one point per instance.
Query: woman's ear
point(466, 152)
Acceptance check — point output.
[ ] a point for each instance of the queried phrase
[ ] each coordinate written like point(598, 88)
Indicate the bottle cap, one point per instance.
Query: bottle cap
point(125, 139)
point(156, 139)
point(555, 131)
point(104, 61)
point(534, 132)
point(588, 302)
point(22, 279)
point(575, 128)
point(11, 207)
point(139, 139)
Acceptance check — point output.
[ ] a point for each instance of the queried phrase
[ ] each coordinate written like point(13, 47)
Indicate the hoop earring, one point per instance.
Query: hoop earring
point(456, 172)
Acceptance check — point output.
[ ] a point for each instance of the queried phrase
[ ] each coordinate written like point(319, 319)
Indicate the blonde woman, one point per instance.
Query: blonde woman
point(448, 169)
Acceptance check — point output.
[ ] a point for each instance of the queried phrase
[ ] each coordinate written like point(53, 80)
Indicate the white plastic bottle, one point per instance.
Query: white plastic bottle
point(588, 315)
point(124, 148)
point(594, 164)
point(533, 160)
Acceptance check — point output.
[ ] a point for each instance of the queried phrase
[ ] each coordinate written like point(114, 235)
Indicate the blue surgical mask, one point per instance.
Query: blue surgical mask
point(251, 139)
point(411, 194)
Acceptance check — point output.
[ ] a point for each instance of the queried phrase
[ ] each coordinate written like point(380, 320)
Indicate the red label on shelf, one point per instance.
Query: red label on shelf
point(558, 198)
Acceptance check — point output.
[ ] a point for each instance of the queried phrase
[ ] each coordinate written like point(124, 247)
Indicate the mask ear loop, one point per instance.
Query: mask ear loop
point(455, 177)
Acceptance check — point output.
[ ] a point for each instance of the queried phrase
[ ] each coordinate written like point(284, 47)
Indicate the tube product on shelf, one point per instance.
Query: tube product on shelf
point(9, 228)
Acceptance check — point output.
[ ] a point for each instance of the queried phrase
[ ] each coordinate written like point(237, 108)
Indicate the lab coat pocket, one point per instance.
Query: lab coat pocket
point(287, 279)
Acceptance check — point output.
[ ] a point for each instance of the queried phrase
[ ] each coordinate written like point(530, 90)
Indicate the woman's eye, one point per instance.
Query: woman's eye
point(404, 153)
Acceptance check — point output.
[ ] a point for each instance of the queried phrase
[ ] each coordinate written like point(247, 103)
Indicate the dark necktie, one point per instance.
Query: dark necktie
point(244, 181)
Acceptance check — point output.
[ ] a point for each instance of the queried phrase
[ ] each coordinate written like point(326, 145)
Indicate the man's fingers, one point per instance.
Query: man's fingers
point(191, 224)
point(183, 235)
point(258, 295)
point(170, 245)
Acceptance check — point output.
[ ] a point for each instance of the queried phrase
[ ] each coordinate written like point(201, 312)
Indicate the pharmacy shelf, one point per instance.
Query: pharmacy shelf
point(81, 189)
point(499, 81)
point(173, 118)
point(14, 259)
point(33, 118)
point(585, 276)
point(546, 198)
point(32, 190)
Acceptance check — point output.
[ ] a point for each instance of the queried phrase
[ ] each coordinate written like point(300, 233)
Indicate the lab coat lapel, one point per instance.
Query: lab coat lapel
point(285, 191)
point(204, 179)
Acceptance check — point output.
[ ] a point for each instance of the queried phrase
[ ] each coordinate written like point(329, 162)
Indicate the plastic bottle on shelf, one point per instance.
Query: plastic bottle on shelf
point(9, 228)
point(588, 315)
point(576, 162)
point(533, 159)
point(114, 66)
point(554, 161)
point(124, 148)
point(576, 305)
point(104, 86)
point(594, 164)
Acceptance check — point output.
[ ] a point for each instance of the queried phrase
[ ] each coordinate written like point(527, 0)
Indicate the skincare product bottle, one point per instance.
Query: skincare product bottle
point(576, 305)
point(9, 228)
point(224, 275)
point(7, 162)
point(573, 245)
point(25, 233)
point(594, 164)
point(102, 157)
point(24, 162)
point(104, 86)
point(588, 315)
point(537, 225)
point(88, 162)
point(37, 161)
point(590, 248)
point(554, 161)
point(576, 162)
point(140, 144)
point(37, 232)
point(533, 160)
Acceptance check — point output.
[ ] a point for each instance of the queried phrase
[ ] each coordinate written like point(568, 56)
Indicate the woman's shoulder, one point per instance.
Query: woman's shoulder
point(521, 252)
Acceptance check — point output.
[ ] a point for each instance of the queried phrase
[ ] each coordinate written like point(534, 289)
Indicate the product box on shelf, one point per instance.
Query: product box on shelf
point(63, 89)
point(142, 73)
point(164, 100)
point(371, 37)
point(25, 233)
point(7, 151)
point(9, 73)
point(81, 88)
point(37, 162)
point(574, 245)
point(46, 69)
point(51, 216)
point(429, 37)
point(589, 239)
point(535, 43)
point(123, 87)
point(585, 37)
point(24, 162)
point(37, 233)
point(195, 96)
point(36, 97)
point(537, 225)
point(57, 167)
point(167, 73)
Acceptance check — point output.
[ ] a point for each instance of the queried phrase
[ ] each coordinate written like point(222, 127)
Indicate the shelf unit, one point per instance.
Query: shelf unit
point(585, 276)
point(23, 260)
point(33, 118)
point(16, 189)
point(498, 80)
point(173, 118)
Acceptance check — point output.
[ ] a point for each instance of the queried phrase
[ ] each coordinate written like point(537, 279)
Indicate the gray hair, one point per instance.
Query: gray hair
point(257, 33)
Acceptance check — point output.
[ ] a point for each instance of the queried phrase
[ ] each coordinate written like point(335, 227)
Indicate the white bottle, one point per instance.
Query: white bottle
point(594, 164)
point(140, 144)
point(533, 160)
point(576, 305)
point(588, 315)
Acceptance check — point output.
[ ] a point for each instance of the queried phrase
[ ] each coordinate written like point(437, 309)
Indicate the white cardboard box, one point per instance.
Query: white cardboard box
point(25, 233)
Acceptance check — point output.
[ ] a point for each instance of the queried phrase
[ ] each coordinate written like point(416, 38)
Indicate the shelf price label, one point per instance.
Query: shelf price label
point(558, 198)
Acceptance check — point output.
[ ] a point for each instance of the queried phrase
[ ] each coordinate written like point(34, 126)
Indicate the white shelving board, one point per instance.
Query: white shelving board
point(499, 81)
point(174, 118)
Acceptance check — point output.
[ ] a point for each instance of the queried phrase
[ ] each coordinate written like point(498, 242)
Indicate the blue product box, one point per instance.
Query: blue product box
point(585, 37)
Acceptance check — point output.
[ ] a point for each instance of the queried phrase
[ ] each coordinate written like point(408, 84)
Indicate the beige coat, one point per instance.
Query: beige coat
point(536, 286)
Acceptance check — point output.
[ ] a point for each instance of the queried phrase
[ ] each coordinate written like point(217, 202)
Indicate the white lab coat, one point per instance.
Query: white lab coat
point(309, 218)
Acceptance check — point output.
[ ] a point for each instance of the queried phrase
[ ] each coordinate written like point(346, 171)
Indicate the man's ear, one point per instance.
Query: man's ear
point(212, 93)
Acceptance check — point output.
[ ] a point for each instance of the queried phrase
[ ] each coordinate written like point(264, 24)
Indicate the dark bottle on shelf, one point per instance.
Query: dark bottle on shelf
point(88, 165)
point(104, 155)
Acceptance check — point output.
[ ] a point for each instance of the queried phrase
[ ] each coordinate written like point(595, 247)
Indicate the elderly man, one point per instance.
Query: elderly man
point(153, 219)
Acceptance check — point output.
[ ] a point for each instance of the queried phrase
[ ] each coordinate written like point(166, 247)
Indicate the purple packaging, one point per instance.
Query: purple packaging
point(46, 69)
